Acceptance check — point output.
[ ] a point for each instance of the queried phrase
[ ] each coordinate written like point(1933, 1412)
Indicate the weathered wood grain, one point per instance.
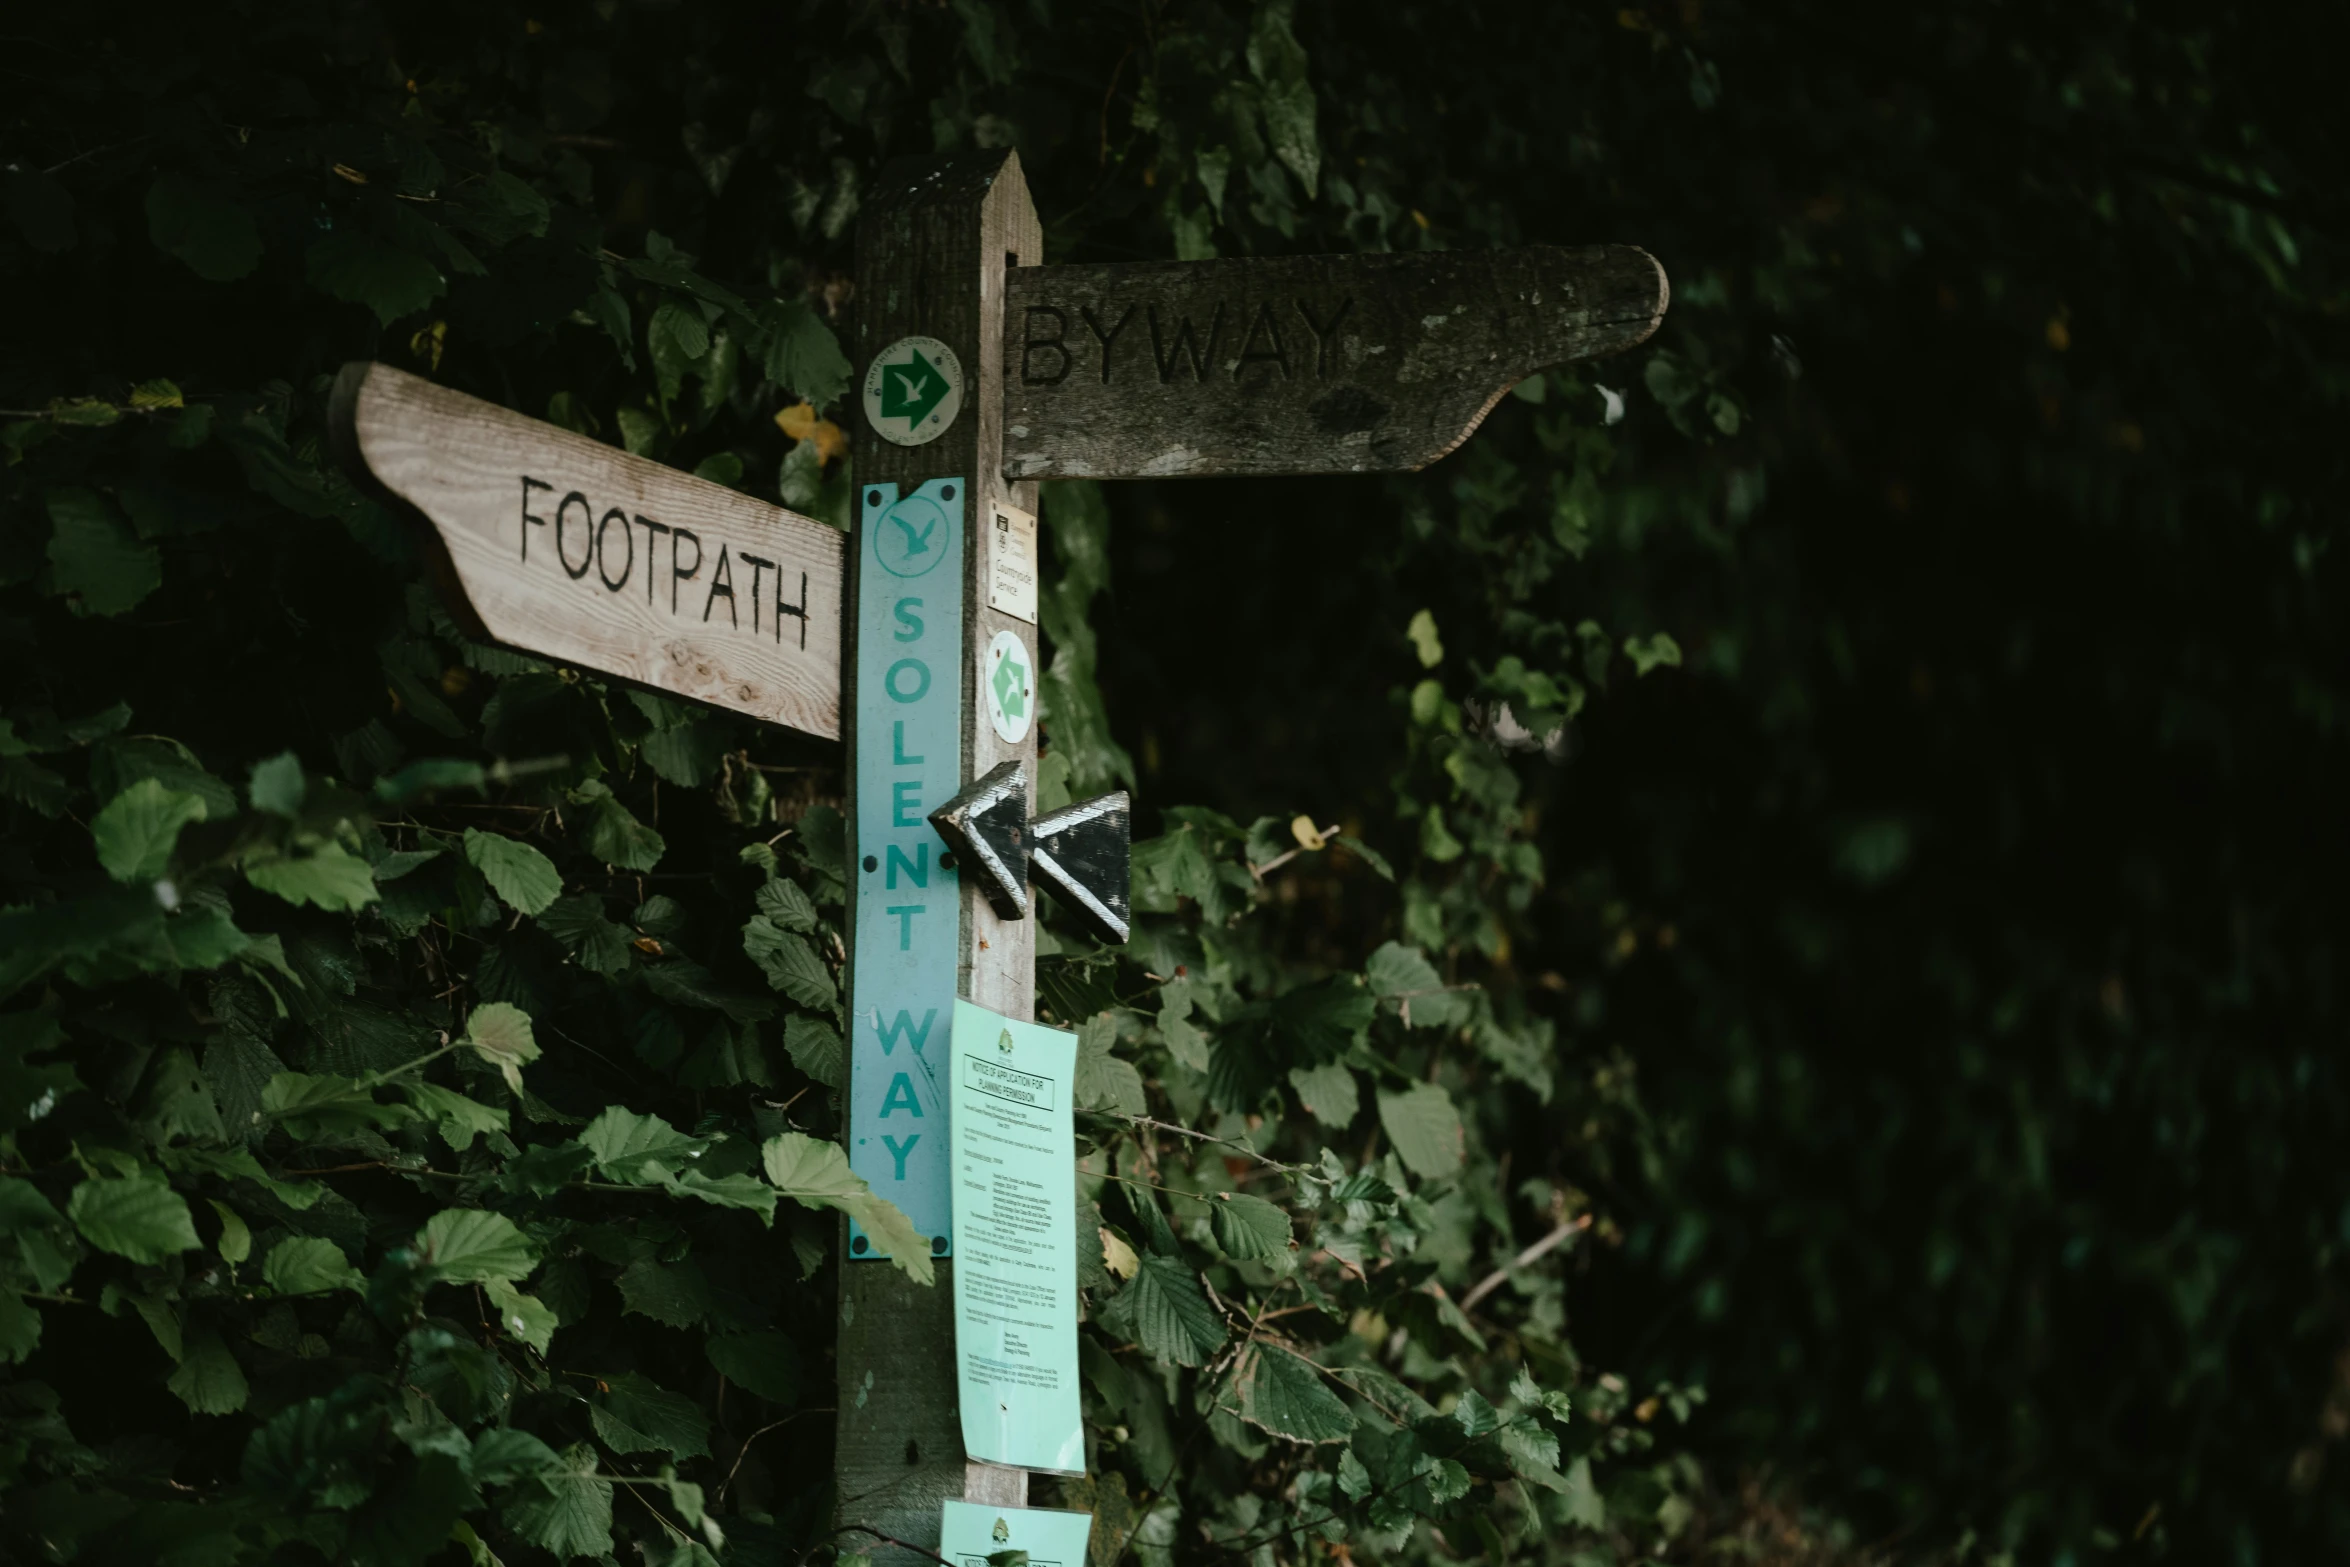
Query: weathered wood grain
point(1292, 365)
point(935, 242)
point(576, 551)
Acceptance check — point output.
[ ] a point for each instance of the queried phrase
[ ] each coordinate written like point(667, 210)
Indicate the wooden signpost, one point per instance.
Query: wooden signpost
point(914, 640)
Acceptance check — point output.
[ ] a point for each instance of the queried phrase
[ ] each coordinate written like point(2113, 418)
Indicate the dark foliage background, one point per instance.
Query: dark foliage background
point(1870, 752)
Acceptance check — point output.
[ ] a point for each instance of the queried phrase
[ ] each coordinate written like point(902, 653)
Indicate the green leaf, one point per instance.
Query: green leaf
point(361, 270)
point(332, 878)
point(459, 1118)
point(1422, 633)
point(636, 1415)
point(740, 1190)
point(816, 1173)
point(516, 872)
point(1475, 1415)
point(767, 1364)
point(1329, 1093)
point(1425, 1129)
point(568, 1513)
point(1284, 1394)
point(162, 1319)
point(20, 1327)
point(141, 1218)
point(209, 1380)
point(421, 778)
point(677, 1297)
point(1103, 1081)
point(503, 1455)
point(639, 1149)
point(1403, 975)
point(238, 1162)
point(790, 964)
point(815, 1048)
point(1249, 1229)
point(1368, 855)
point(309, 1265)
point(44, 1242)
point(800, 354)
point(500, 1033)
point(472, 1246)
point(140, 827)
point(1163, 1308)
point(782, 901)
point(692, 985)
point(580, 924)
point(500, 207)
point(1186, 1041)
point(1533, 1454)
point(327, 1107)
point(236, 1236)
point(523, 1317)
point(95, 558)
point(1287, 99)
point(1584, 1505)
point(1655, 652)
point(317, 1452)
point(201, 225)
point(614, 835)
point(678, 337)
point(277, 785)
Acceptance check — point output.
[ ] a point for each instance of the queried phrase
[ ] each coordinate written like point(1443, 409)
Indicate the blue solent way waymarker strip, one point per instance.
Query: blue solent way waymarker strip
point(909, 761)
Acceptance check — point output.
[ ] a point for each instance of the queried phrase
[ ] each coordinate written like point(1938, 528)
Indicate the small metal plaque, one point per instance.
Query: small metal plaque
point(1012, 562)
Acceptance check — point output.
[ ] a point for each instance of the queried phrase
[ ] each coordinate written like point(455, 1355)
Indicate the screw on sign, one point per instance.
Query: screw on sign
point(982, 372)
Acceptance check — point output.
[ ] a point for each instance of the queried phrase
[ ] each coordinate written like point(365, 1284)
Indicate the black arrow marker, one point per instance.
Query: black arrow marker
point(987, 827)
point(1082, 852)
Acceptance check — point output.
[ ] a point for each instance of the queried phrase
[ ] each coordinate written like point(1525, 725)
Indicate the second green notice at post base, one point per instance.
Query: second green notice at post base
point(1015, 1213)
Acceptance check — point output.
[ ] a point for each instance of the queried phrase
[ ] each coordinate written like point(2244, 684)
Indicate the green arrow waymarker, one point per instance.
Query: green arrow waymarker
point(913, 390)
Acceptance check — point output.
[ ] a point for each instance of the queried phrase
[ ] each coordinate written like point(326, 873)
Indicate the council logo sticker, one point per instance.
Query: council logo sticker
point(1009, 676)
point(913, 390)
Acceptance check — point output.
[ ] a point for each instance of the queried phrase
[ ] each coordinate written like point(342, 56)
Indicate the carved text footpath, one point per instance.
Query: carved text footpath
point(574, 520)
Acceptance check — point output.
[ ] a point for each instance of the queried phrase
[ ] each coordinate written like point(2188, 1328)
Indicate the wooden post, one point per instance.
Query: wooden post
point(933, 245)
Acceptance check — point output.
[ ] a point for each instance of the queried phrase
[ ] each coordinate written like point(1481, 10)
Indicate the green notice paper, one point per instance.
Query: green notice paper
point(1014, 1153)
point(969, 1533)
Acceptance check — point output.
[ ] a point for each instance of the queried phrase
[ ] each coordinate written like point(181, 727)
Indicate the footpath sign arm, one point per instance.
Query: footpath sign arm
point(564, 547)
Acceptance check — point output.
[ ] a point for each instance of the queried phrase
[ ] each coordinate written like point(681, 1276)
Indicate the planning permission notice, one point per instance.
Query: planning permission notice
point(1015, 1214)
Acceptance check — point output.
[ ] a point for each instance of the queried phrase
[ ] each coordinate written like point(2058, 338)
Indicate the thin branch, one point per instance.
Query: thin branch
point(743, 1450)
point(1185, 1131)
point(1260, 872)
point(1541, 1248)
point(891, 1539)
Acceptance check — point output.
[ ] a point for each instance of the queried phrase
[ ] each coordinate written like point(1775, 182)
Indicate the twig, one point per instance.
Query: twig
point(891, 1539)
point(1185, 1131)
point(1107, 93)
point(1541, 1248)
point(741, 1451)
point(1260, 872)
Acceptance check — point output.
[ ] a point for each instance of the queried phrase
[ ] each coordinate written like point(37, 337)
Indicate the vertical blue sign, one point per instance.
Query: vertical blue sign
point(909, 762)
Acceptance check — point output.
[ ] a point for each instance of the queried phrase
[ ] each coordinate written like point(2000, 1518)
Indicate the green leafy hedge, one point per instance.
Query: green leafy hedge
point(1795, 861)
point(423, 1061)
